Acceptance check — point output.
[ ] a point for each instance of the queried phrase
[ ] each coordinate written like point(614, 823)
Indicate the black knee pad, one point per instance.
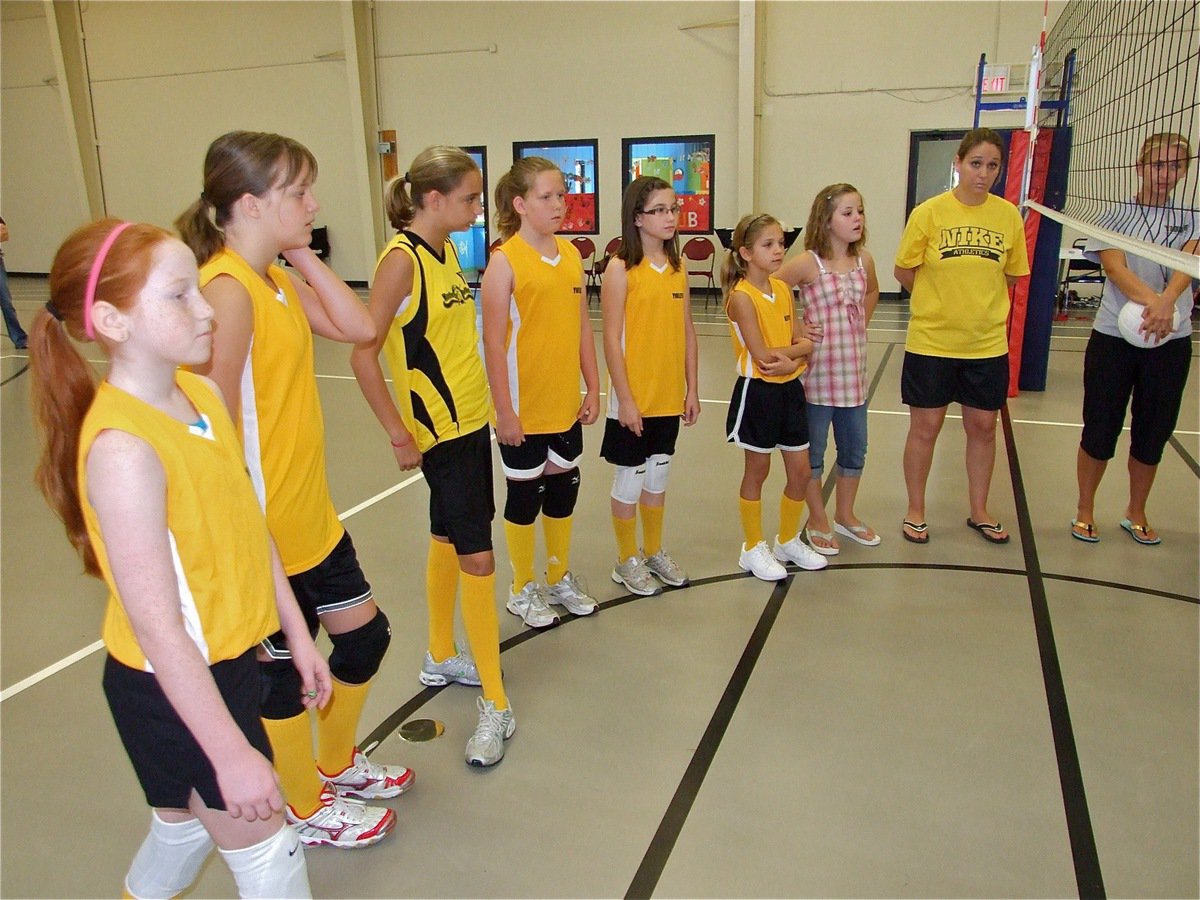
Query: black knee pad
point(281, 689)
point(562, 490)
point(357, 654)
point(524, 500)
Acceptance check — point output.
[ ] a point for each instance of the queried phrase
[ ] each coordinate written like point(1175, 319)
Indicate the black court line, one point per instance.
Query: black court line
point(1088, 877)
point(17, 374)
point(656, 856)
point(1187, 457)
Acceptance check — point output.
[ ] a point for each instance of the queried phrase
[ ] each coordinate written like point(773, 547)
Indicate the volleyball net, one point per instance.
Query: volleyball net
point(1136, 74)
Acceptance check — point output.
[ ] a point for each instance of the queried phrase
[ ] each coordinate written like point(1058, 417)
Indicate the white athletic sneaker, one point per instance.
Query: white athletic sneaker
point(759, 562)
point(570, 593)
point(459, 667)
point(531, 606)
point(636, 577)
point(798, 552)
point(343, 823)
point(666, 569)
point(486, 746)
point(365, 780)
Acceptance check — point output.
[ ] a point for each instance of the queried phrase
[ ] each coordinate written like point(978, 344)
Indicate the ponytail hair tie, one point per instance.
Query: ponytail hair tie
point(407, 179)
point(53, 310)
point(89, 295)
point(203, 199)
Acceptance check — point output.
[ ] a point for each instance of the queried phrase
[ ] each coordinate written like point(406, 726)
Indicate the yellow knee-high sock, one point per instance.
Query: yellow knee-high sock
point(790, 513)
point(336, 724)
point(291, 744)
point(520, 552)
point(751, 511)
point(558, 547)
point(483, 631)
point(626, 532)
point(652, 527)
point(441, 586)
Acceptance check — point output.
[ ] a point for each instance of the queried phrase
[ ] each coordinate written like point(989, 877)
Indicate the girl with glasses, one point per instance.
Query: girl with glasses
point(650, 350)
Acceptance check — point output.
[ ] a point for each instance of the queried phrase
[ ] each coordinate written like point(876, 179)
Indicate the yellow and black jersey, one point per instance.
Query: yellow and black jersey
point(653, 340)
point(218, 536)
point(544, 328)
point(432, 347)
point(283, 431)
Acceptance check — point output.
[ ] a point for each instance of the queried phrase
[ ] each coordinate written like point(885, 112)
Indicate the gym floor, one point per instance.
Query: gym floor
point(956, 719)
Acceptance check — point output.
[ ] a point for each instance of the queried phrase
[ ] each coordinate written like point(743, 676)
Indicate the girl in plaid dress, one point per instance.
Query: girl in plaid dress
point(839, 288)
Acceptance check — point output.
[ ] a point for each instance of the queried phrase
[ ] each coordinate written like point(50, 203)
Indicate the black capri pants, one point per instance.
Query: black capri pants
point(1114, 372)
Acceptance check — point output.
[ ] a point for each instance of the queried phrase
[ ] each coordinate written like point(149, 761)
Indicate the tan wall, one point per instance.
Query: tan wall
point(168, 77)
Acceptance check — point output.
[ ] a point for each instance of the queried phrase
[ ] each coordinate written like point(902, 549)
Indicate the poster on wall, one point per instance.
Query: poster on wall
point(683, 161)
point(577, 160)
point(472, 242)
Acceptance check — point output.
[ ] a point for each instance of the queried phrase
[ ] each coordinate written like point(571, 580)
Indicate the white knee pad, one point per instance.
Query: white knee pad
point(657, 467)
point(627, 483)
point(273, 868)
point(169, 859)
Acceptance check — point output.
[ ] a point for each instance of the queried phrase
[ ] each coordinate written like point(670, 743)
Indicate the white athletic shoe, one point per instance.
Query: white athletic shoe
point(343, 823)
point(759, 562)
point(486, 746)
point(666, 569)
point(531, 606)
point(569, 592)
point(365, 780)
point(798, 552)
point(636, 577)
point(459, 667)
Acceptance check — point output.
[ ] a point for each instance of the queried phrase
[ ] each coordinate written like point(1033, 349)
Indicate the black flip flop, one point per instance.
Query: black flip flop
point(990, 531)
point(921, 528)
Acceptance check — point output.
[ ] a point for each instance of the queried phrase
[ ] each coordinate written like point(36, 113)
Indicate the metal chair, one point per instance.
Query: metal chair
point(701, 260)
point(1079, 271)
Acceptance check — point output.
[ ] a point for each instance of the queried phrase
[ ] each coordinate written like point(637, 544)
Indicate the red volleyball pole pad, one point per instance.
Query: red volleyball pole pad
point(1017, 153)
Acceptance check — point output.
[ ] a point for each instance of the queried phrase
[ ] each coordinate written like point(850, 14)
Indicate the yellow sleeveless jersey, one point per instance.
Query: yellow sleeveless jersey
point(653, 340)
point(283, 432)
point(432, 348)
point(774, 313)
point(544, 327)
point(219, 541)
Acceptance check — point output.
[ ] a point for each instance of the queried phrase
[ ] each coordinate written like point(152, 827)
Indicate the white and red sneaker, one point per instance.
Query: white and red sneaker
point(343, 823)
point(365, 780)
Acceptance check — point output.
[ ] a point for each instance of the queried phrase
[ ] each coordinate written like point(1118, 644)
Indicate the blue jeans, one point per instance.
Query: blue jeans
point(849, 432)
point(11, 322)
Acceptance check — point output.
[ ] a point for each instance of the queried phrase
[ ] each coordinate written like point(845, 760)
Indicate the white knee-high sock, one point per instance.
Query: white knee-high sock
point(273, 868)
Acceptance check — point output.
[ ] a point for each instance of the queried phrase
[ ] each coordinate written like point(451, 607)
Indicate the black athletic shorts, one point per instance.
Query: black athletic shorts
point(622, 447)
point(931, 382)
point(167, 760)
point(564, 449)
point(767, 415)
point(461, 502)
point(1115, 372)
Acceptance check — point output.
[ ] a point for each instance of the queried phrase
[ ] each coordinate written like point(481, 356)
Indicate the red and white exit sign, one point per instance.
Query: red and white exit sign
point(995, 80)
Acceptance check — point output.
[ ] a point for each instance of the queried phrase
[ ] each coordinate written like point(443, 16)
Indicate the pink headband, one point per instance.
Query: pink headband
point(89, 296)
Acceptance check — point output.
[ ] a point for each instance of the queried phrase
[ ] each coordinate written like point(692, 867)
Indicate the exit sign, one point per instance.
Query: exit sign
point(995, 80)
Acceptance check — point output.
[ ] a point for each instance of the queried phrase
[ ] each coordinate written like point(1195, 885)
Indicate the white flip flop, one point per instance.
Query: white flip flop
point(855, 533)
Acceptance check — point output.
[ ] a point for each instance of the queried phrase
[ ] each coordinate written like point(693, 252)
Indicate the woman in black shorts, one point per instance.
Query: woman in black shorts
point(961, 252)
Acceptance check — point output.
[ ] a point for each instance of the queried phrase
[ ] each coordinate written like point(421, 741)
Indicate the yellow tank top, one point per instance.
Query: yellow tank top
point(219, 542)
point(773, 312)
point(544, 327)
point(283, 432)
point(432, 347)
point(653, 340)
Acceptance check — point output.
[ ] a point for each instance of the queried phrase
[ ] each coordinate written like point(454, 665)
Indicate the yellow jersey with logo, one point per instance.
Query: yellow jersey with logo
point(774, 313)
point(962, 254)
point(653, 340)
point(283, 431)
point(544, 328)
point(432, 348)
point(218, 537)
